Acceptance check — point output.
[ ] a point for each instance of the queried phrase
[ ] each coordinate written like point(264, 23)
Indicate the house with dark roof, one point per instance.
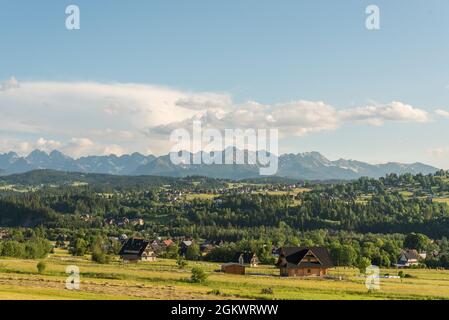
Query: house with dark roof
point(304, 261)
point(183, 246)
point(136, 249)
point(408, 258)
point(246, 258)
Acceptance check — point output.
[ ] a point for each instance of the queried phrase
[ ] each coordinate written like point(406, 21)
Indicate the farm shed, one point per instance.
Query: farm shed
point(233, 268)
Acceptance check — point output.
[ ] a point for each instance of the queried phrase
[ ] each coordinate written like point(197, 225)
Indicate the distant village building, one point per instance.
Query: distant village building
point(408, 258)
point(233, 268)
point(137, 222)
point(304, 261)
point(246, 258)
point(4, 234)
point(206, 248)
point(184, 246)
point(136, 249)
point(167, 243)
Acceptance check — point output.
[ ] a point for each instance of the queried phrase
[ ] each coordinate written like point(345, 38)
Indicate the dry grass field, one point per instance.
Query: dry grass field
point(163, 279)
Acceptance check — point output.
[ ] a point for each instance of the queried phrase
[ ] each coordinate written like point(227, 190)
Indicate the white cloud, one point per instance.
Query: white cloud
point(47, 145)
point(442, 113)
point(301, 117)
point(379, 114)
point(11, 83)
point(438, 153)
point(78, 147)
point(83, 118)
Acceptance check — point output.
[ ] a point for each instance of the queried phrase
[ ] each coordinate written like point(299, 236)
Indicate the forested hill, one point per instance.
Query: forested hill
point(102, 181)
point(394, 204)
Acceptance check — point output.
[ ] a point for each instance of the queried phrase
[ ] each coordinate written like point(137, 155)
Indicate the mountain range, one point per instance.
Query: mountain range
point(303, 166)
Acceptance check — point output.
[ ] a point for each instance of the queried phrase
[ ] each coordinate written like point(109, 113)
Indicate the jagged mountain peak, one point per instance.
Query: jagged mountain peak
point(305, 166)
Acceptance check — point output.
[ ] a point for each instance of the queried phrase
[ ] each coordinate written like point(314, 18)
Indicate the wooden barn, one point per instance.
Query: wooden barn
point(136, 249)
point(233, 268)
point(304, 261)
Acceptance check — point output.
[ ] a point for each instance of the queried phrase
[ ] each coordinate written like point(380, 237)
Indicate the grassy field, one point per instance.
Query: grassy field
point(19, 279)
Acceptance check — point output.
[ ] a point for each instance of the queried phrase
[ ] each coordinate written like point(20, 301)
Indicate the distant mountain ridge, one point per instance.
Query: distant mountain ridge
point(303, 166)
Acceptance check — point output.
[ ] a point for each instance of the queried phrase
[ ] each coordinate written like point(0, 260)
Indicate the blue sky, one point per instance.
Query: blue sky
point(270, 52)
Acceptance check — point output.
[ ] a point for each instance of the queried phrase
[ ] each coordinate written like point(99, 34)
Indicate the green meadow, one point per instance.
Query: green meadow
point(19, 279)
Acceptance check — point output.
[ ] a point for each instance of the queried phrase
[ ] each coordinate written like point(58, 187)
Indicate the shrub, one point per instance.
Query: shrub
point(215, 292)
point(41, 266)
point(78, 247)
point(99, 256)
point(267, 291)
point(181, 262)
point(363, 263)
point(193, 252)
point(198, 275)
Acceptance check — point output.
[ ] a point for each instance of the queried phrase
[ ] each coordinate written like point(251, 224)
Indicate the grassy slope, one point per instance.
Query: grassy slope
point(163, 280)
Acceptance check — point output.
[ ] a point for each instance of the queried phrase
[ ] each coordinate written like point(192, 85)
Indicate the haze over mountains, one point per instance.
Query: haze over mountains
point(306, 166)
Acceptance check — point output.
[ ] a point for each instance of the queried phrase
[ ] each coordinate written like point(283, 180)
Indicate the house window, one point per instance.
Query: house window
point(309, 271)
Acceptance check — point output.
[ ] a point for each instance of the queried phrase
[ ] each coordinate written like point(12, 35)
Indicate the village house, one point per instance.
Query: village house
point(4, 234)
point(408, 258)
point(167, 243)
point(109, 221)
point(136, 249)
point(246, 258)
point(184, 245)
point(304, 261)
point(124, 222)
point(137, 222)
point(206, 248)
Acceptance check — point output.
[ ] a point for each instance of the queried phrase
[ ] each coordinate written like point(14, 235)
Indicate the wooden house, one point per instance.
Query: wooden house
point(136, 249)
point(408, 258)
point(184, 245)
point(304, 261)
point(233, 268)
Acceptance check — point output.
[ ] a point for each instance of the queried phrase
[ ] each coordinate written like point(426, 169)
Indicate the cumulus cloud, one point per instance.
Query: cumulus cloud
point(300, 117)
point(81, 118)
point(379, 114)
